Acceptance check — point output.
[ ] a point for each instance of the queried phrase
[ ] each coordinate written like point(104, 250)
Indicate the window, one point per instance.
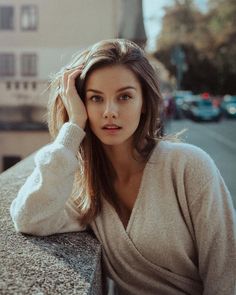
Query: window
point(6, 18)
point(7, 65)
point(9, 161)
point(34, 85)
point(8, 85)
point(29, 17)
point(25, 85)
point(17, 84)
point(29, 64)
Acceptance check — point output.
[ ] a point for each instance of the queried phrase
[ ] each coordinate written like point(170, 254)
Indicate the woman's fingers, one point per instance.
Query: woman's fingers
point(65, 78)
point(68, 78)
point(71, 79)
point(75, 107)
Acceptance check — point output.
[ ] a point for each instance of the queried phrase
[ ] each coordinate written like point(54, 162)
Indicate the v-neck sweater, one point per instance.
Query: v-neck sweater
point(181, 235)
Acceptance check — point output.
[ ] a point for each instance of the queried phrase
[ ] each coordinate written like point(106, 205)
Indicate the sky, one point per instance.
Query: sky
point(153, 12)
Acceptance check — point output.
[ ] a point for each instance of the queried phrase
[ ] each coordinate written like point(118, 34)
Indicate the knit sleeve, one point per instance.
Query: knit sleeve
point(41, 206)
point(214, 223)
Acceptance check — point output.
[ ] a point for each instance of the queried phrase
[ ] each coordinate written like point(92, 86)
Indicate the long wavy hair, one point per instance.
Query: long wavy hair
point(95, 178)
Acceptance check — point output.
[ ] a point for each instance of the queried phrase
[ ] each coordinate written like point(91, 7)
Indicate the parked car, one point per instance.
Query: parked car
point(199, 109)
point(180, 96)
point(228, 106)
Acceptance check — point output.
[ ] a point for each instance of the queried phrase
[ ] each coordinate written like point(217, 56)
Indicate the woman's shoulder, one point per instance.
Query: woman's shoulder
point(186, 164)
point(185, 156)
point(181, 149)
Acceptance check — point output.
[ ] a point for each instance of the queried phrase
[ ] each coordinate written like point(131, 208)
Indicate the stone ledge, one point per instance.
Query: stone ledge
point(58, 264)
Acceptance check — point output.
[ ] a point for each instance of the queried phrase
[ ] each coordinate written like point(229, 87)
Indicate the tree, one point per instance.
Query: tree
point(222, 23)
point(208, 41)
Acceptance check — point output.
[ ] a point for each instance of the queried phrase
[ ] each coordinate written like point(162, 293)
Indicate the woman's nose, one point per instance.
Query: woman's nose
point(110, 111)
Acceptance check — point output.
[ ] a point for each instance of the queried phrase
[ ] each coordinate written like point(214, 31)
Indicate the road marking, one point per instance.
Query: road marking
point(229, 143)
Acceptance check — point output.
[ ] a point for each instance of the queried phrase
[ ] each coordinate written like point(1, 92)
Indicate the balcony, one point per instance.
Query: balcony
point(23, 105)
point(58, 264)
point(24, 92)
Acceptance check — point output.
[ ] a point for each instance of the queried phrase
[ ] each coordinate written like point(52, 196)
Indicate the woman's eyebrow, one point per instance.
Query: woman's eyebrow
point(121, 89)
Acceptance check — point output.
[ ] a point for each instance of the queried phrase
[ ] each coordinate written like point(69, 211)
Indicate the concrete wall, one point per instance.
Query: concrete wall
point(58, 264)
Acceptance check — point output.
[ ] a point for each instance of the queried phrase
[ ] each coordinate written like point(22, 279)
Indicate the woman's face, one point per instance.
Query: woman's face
point(113, 99)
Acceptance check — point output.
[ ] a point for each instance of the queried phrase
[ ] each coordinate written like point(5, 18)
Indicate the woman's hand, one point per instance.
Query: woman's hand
point(73, 103)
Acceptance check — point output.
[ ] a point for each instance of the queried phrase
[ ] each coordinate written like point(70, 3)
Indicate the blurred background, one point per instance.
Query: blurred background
point(190, 43)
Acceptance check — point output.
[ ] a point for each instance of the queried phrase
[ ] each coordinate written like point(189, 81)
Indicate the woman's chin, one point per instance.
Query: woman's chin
point(110, 141)
point(115, 141)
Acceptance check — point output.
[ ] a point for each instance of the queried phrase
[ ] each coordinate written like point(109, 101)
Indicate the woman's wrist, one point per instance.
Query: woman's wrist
point(80, 123)
point(70, 136)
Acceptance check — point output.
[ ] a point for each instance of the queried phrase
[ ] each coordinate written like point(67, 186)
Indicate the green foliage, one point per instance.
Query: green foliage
point(209, 43)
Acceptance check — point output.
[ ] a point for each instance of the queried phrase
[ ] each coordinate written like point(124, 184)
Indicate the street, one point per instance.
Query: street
point(218, 140)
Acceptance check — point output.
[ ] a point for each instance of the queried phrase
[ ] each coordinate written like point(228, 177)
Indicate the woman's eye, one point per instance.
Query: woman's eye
point(125, 97)
point(95, 98)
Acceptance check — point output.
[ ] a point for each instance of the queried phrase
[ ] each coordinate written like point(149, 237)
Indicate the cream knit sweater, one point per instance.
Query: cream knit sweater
point(181, 236)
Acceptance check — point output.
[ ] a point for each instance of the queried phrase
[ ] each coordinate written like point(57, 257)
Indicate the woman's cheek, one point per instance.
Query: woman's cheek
point(88, 108)
point(92, 118)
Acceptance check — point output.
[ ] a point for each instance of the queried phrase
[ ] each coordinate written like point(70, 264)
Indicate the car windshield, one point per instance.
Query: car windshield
point(202, 103)
point(232, 99)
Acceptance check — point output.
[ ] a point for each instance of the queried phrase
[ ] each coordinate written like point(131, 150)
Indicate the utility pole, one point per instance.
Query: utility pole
point(178, 58)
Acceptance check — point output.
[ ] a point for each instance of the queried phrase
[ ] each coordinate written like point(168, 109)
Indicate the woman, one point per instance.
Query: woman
point(160, 208)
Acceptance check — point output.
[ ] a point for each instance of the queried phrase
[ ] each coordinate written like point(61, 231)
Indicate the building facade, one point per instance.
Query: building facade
point(36, 39)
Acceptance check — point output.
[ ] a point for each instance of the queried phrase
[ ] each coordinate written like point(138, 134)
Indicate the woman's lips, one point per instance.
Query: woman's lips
point(111, 129)
point(111, 126)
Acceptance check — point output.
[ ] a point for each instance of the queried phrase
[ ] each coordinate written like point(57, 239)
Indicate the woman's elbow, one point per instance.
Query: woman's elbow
point(24, 224)
point(28, 228)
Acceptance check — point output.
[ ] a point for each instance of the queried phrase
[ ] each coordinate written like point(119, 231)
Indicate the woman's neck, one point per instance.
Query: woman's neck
point(124, 162)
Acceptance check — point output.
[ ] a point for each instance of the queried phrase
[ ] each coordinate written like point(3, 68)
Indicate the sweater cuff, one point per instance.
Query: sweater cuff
point(70, 136)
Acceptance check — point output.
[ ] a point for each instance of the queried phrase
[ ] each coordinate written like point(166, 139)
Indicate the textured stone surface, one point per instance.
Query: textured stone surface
point(58, 264)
